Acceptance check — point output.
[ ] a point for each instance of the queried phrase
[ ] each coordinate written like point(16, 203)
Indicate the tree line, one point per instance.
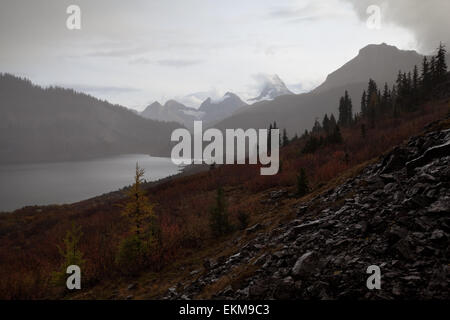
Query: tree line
point(405, 95)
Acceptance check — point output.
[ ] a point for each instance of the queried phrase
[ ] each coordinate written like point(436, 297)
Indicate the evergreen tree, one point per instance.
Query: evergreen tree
point(385, 99)
point(311, 145)
point(372, 106)
point(219, 222)
point(306, 133)
point(138, 207)
point(408, 82)
point(70, 252)
point(302, 183)
point(335, 137)
point(394, 97)
point(317, 128)
point(426, 77)
point(285, 138)
point(348, 109)
point(364, 104)
point(415, 85)
point(342, 110)
point(326, 124)
point(372, 90)
point(363, 130)
point(433, 73)
point(345, 110)
point(134, 250)
point(333, 123)
point(372, 101)
point(441, 65)
point(407, 92)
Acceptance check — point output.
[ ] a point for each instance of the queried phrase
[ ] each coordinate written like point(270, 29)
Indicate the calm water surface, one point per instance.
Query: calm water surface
point(66, 182)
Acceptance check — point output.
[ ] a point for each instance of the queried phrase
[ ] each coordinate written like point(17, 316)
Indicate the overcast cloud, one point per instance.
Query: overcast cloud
point(136, 52)
point(428, 20)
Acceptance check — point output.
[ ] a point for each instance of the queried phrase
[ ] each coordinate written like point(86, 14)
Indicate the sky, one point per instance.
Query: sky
point(139, 51)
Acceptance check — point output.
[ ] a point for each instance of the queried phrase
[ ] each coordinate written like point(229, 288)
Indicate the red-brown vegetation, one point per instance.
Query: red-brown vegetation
point(29, 237)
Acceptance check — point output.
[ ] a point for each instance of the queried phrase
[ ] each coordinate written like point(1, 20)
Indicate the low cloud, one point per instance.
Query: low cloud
point(178, 63)
point(140, 61)
point(117, 53)
point(99, 89)
point(311, 11)
point(427, 20)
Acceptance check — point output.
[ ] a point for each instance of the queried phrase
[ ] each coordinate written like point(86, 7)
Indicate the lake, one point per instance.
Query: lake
point(67, 182)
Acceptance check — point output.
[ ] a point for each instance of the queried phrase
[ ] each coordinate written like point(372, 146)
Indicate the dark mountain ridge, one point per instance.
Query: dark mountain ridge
point(55, 124)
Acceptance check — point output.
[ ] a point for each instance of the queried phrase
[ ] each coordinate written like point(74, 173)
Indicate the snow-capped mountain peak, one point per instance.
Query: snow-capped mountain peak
point(272, 87)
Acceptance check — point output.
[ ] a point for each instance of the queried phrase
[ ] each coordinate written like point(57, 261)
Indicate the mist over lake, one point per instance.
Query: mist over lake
point(67, 182)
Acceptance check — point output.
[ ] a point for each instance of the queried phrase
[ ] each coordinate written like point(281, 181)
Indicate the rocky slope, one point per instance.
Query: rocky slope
point(394, 214)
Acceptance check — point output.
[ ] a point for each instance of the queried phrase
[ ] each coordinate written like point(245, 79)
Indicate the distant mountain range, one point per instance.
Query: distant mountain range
point(54, 124)
point(172, 111)
point(298, 112)
point(210, 110)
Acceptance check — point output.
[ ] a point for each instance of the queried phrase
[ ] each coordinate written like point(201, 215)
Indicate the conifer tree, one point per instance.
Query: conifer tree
point(341, 120)
point(372, 101)
point(348, 109)
point(70, 252)
point(394, 97)
point(385, 99)
point(326, 124)
point(364, 104)
point(337, 137)
point(285, 141)
point(306, 133)
point(345, 110)
point(415, 84)
point(441, 65)
point(302, 183)
point(311, 145)
point(363, 130)
point(219, 222)
point(138, 207)
point(317, 127)
point(433, 72)
point(426, 78)
point(333, 122)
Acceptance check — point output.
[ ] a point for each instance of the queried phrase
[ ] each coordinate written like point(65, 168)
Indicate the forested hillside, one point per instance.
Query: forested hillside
point(54, 124)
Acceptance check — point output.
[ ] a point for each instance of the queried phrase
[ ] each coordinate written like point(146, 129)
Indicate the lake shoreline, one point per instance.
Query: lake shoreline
point(58, 183)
